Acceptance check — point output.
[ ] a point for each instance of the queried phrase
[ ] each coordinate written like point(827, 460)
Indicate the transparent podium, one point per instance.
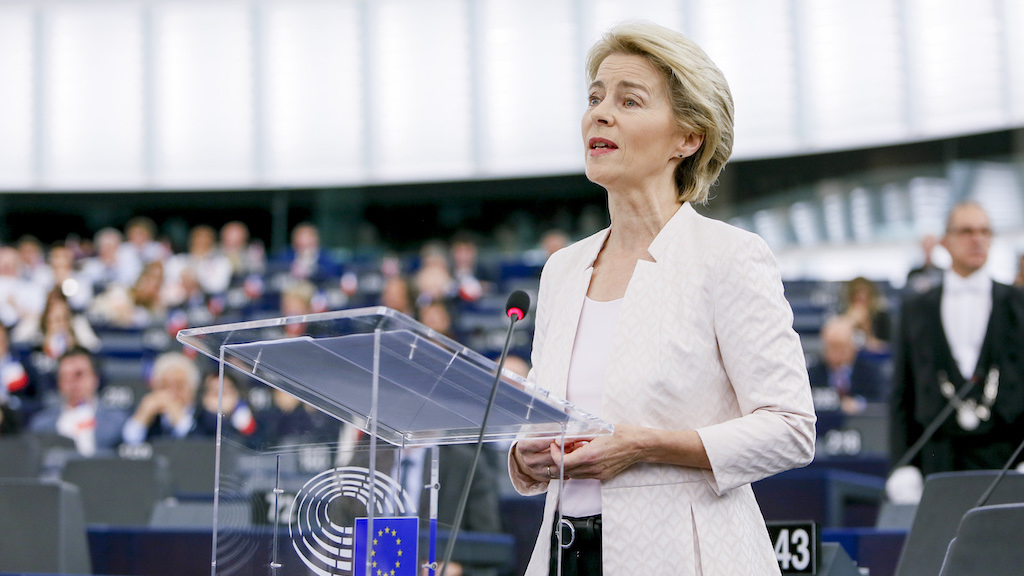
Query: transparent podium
point(391, 410)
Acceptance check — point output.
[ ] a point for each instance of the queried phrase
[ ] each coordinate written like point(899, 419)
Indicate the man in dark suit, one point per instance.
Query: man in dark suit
point(80, 416)
point(968, 329)
point(305, 259)
point(854, 379)
point(171, 409)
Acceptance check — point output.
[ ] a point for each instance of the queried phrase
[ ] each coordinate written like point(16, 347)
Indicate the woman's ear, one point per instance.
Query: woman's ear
point(689, 145)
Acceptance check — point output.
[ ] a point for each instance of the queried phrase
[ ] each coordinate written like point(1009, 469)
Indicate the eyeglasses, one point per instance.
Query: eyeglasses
point(968, 231)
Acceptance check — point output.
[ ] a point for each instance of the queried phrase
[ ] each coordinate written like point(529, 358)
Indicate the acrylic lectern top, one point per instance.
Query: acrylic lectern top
point(429, 389)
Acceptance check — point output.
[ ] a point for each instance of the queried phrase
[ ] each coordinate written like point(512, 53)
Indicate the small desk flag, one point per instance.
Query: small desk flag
point(392, 547)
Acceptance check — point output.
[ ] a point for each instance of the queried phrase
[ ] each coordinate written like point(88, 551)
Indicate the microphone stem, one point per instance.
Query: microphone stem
point(476, 455)
point(911, 453)
point(991, 487)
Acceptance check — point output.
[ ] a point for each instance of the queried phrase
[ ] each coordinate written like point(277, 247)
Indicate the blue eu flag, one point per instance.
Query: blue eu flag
point(392, 547)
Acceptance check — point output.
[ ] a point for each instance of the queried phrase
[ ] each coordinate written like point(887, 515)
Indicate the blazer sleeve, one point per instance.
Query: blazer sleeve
point(541, 319)
point(764, 362)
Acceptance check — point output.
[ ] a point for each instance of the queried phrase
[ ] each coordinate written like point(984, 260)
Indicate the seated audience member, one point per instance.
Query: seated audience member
point(397, 295)
point(80, 416)
point(437, 316)
point(203, 267)
point(110, 265)
point(239, 421)
point(297, 299)
point(141, 244)
point(288, 420)
point(33, 259)
point(246, 257)
point(554, 240)
point(433, 280)
point(305, 259)
point(471, 280)
point(854, 380)
point(57, 329)
point(188, 305)
point(61, 274)
point(140, 306)
point(170, 409)
point(19, 298)
point(15, 385)
point(52, 334)
point(865, 308)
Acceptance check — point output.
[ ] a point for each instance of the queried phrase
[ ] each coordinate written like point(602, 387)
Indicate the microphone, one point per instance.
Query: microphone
point(516, 307)
point(517, 304)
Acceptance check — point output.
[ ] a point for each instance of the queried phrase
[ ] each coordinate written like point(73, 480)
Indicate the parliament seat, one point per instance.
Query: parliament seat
point(192, 462)
point(198, 513)
point(118, 491)
point(42, 528)
point(987, 542)
point(946, 500)
point(21, 456)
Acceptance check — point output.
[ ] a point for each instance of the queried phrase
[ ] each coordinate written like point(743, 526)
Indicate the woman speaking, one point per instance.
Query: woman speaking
point(670, 325)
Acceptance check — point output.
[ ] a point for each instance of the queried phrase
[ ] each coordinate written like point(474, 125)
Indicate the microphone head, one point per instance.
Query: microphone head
point(517, 305)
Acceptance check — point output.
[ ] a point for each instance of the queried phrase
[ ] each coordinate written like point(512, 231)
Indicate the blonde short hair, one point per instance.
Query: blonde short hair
point(700, 96)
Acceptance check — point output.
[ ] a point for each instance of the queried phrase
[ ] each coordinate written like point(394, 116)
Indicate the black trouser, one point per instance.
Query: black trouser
point(580, 548)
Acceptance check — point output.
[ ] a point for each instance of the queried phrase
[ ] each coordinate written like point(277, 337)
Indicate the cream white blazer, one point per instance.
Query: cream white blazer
point(704, 342)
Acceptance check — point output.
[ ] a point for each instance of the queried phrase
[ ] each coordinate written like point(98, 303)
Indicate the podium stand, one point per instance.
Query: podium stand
point(404, 386)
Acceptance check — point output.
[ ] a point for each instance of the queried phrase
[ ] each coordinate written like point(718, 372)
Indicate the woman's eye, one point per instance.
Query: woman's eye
point(630, 103)
point(593, 100)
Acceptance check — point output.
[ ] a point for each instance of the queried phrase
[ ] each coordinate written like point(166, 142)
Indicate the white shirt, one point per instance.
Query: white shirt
point(585, 386)
point(965, 308)
point(79, 424)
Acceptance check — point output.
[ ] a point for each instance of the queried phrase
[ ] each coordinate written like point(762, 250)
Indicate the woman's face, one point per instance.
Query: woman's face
point(630, 134)
point(149, 284)
point(58, 318)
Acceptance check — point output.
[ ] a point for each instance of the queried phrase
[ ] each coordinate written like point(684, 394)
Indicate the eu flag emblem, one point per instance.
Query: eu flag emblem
point(392, 547)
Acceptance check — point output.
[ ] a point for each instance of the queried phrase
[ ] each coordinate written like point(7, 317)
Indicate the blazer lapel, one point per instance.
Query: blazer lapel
point(638, 332)
point(566, 317)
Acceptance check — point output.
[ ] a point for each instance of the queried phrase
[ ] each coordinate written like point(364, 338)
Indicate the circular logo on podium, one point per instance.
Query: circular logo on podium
point(326, 507)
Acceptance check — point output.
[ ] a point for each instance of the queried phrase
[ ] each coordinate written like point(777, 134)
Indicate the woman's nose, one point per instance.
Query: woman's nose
point(601, 113)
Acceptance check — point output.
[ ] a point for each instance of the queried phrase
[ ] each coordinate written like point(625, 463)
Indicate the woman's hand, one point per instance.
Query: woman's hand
point(604, 457)
point(534, 459)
